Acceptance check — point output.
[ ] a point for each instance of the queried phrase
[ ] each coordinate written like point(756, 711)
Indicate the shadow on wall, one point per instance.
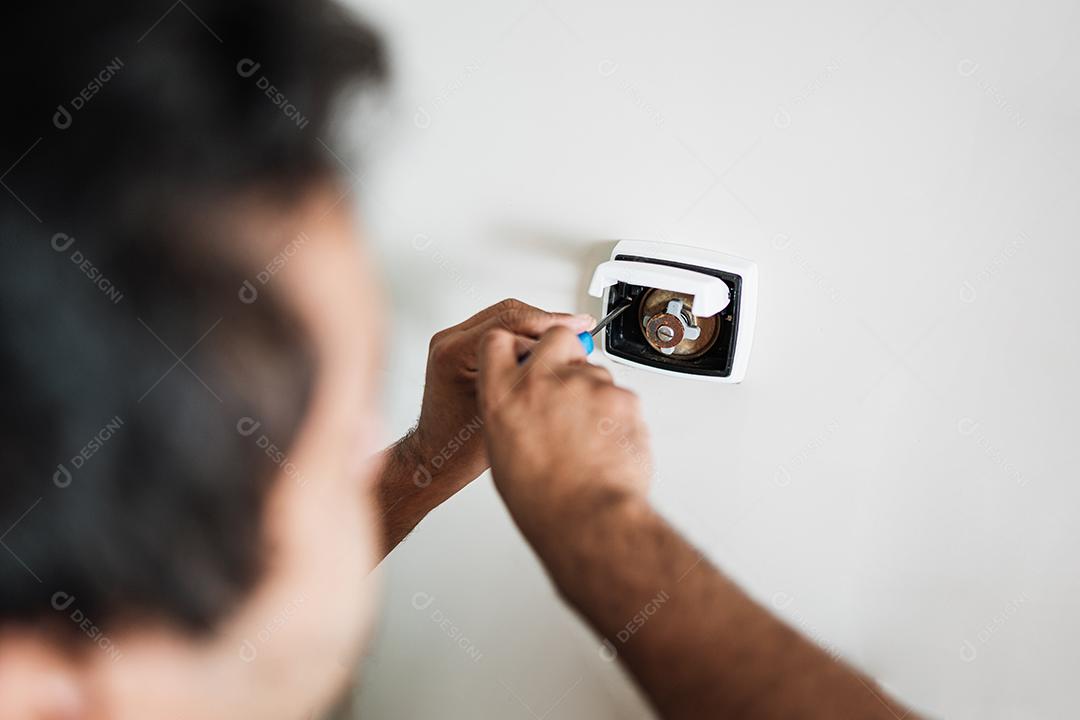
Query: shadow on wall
point(579, 251)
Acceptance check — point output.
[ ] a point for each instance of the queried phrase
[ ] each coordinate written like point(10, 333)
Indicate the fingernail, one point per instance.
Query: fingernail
point(585, 319)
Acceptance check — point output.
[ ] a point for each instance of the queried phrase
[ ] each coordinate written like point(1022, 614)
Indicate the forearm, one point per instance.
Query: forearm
point(697, 645)
point(410, 487)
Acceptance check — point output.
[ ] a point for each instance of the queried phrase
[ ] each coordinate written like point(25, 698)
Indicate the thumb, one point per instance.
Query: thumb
point(534, 322)
point(559, 346)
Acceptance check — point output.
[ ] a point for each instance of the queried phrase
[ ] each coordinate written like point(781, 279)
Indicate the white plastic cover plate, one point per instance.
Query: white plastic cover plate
point(711, 294)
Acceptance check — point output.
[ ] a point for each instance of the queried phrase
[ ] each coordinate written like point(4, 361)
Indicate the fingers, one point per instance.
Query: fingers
point(599, 375)
point(517, 316)
point(490, 312)
point(524, 321)
point(559, 346)
point(533, 322)
point(498, 366)
point(559, 354)
point(523, 345)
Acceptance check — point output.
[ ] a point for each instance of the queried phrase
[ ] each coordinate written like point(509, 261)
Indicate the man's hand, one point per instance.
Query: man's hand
point(446, 450)
point(562, 438)
point(447, 434)
point(570, 458)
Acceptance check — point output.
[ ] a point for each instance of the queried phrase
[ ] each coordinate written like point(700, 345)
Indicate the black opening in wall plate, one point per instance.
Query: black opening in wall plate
point(625, 337)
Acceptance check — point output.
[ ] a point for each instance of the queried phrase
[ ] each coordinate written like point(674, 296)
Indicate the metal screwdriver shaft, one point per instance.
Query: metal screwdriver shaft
point(586, 338)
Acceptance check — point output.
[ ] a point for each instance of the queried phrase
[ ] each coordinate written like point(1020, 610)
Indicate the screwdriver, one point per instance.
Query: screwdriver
point(586, 338)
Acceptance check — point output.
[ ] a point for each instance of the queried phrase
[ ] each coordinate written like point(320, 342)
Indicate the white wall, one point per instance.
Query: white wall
point(897, 474)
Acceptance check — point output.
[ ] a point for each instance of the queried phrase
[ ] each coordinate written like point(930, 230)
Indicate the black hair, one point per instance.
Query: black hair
point(135, 361)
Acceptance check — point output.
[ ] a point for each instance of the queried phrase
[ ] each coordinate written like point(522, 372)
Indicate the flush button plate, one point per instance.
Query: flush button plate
point(726, 355)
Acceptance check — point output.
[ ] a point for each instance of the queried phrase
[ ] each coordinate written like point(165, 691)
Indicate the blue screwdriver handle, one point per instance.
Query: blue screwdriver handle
point(586, 341)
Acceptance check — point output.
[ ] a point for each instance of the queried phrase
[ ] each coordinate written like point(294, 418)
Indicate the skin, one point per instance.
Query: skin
point(695, 643)
point(446, 450)
point(289, 651)
point(308, 619)
point(322, 535)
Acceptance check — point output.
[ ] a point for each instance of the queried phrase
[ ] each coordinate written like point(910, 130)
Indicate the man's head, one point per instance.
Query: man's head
point(187, 372)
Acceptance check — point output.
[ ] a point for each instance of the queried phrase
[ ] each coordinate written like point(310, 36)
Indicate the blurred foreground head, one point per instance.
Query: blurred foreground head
point(185, 518)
